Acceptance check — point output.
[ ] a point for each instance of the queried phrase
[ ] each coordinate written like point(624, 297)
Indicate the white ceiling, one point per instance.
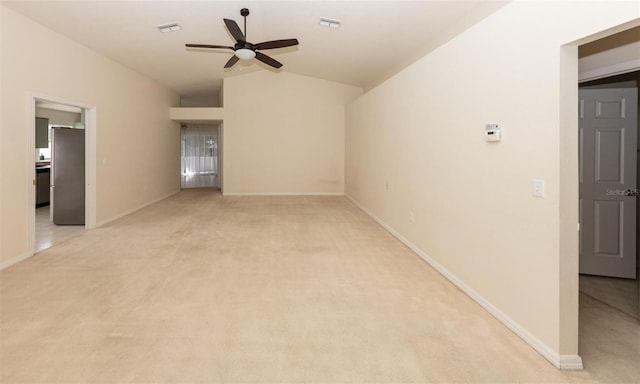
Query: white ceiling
point(376, 37)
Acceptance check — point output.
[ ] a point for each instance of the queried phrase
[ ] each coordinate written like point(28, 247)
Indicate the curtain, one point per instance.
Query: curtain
point(199, 156)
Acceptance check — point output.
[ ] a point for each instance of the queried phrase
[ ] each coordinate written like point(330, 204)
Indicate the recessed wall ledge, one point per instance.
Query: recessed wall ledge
point(197, 114)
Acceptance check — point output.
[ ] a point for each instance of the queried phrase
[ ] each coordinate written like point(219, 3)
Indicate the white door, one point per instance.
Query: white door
point(608, 145)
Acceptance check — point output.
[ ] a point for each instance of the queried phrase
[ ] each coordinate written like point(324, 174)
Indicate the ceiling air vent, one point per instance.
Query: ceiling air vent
point(169, 27)
point(331, 23)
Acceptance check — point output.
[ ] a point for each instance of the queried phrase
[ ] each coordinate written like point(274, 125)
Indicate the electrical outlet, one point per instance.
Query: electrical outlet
point(412, 217)
point(386, 185)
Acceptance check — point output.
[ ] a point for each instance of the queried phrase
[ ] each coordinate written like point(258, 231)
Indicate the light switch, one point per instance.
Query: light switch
point(537, 188)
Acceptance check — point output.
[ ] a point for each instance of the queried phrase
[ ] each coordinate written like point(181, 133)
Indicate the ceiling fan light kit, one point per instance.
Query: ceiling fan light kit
point(245, 50)
point(245, 54)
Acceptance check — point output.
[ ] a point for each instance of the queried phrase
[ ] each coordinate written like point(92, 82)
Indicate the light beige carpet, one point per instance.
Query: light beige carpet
point(201, 288)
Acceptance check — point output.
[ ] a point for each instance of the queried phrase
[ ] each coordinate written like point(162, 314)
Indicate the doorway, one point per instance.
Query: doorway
point(68, 129)
point(199, 156)
point(615, 280)
point(600, 69)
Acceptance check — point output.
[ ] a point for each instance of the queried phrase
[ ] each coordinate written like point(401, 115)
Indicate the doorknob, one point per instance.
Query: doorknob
point(632, 192)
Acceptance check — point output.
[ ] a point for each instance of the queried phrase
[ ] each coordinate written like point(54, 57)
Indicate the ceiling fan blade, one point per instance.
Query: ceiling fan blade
point(234, 59)
point(277, 44)
point(268, 60)
point(232, 26)
point(207, 46)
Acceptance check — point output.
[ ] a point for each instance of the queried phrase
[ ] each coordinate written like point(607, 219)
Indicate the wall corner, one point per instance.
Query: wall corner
point(568, 258)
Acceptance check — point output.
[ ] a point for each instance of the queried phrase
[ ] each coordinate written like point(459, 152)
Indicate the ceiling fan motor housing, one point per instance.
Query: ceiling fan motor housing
point(245, 45)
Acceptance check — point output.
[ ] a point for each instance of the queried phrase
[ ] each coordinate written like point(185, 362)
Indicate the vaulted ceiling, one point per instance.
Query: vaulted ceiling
point(376, 38)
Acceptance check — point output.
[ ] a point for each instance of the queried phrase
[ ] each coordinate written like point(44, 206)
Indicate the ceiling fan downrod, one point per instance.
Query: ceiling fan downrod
point(245, 12)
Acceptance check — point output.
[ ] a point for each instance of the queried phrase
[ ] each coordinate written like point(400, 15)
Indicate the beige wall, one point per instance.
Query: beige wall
point(137, 144)
point(623, 59)
point(58, 117)
point(422, 133)
point(198, 101)
point(284, 133)
point(607, 58)
point(1, 136)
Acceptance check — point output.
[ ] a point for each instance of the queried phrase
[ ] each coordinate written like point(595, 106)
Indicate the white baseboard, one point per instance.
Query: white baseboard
point(107, 221)
point(571, 363)
point(568, 362)
point(15, 260)
point(283, 194)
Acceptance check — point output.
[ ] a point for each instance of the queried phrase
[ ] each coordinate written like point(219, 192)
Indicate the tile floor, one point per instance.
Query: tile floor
point(49, 234)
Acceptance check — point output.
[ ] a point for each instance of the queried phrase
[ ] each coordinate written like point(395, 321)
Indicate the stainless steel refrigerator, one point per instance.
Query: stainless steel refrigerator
point(68, 179)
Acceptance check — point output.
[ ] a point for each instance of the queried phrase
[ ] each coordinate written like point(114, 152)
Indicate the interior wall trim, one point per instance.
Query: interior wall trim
point(283, 194)
point(130, 211)
point(566, 362)
point(571, 363)
point(15, 260)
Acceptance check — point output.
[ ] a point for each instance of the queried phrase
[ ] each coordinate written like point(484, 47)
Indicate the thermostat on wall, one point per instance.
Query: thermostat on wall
point(493, 132)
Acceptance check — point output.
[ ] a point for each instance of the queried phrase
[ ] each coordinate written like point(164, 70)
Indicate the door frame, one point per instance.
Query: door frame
point(90, 160)
point(568, 194)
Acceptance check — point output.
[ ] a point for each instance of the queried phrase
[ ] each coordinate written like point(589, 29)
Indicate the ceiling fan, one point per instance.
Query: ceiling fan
point(245, 50)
